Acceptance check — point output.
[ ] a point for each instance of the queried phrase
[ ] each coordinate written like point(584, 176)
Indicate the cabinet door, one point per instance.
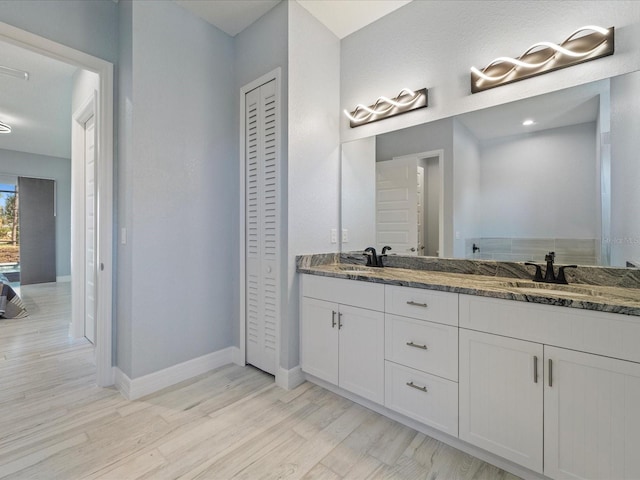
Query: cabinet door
point(319, 339)
point(592, 416)
point(500, 396)
point(362, 352)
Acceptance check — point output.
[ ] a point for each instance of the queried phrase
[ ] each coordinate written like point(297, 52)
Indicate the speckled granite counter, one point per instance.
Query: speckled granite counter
point(514, 285)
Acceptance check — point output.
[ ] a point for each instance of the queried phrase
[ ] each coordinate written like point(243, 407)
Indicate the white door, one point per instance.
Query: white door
point(501, 397)
point(90, 231)
point(422, 241)
point(592, 419)
point(396, 205)
point(262, 221)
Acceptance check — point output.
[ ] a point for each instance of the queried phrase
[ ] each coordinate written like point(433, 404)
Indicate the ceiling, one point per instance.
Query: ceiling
point(571, 106)
point(342, 17)
point(39, 109)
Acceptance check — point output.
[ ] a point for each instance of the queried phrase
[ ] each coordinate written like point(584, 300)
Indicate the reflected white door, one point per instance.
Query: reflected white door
point(90, 231)
point(422, 239)
point(396, 206)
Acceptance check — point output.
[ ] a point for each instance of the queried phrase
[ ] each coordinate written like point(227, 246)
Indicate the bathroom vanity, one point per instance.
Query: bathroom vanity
point(545, 377)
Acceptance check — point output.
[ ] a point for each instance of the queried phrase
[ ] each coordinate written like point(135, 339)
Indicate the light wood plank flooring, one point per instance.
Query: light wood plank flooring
point(230, 423)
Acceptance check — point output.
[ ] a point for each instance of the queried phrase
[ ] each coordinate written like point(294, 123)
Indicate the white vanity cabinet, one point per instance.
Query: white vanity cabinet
point(342, 342)
point(590, 427)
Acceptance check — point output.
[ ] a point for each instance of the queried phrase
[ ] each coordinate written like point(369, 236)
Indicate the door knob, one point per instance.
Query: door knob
point(412, 249)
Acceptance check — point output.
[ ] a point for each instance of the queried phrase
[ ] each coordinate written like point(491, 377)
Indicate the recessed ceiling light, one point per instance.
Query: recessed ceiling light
point(4, 128)
point(528, 122)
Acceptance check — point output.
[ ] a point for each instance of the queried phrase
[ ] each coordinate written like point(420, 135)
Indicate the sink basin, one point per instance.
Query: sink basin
point(353, 268)
point(525, 286)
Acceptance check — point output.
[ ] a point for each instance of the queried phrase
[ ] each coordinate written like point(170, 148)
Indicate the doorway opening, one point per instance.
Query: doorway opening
point(103, 194)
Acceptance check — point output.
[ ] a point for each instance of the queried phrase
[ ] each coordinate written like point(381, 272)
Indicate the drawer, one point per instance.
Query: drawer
point(426, 398)
point(430, 347)
point(609, 334)
point(439, 307)
point(347, 292)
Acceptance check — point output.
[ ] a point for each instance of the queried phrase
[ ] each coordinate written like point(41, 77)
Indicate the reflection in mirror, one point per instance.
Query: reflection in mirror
point(567, 182)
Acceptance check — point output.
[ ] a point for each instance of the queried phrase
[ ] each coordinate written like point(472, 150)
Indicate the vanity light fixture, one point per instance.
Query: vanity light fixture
point(4, 128)
point(543, 57)
point(406, 101)
point(528, 122)
point(13, 72)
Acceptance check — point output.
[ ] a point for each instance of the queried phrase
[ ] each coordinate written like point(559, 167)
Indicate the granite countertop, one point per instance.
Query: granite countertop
point(612, 299)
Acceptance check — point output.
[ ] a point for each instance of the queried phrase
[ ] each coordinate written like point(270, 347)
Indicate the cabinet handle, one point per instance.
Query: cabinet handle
point(417, 387)
point(333, 319)
point(339, 320)
point(416, 304)
point(550, 373)
point(535, 369)
point(415, 345)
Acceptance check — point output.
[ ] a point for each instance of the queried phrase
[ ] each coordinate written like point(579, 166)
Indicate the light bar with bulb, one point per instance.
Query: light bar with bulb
point(544, 57)
point(406, 101)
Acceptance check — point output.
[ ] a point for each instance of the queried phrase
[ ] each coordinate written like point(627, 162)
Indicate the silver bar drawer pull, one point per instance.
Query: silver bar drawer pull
point(413, 385)
point(416, 304)
point(415, 345)
point(333, 319)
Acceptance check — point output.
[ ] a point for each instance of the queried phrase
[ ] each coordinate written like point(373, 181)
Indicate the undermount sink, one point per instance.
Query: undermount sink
point(354, 268)
point(551, 288)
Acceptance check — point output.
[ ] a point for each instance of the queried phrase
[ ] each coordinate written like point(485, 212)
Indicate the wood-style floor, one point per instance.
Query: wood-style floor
point(230, 423)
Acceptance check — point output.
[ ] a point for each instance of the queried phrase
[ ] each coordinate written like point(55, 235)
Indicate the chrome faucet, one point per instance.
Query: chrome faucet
point(549, 275)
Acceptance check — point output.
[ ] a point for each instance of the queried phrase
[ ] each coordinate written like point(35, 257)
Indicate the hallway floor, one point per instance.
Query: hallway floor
point(229, 423)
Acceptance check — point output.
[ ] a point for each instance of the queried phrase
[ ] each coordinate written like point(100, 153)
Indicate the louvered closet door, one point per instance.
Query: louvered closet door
point(262, 226)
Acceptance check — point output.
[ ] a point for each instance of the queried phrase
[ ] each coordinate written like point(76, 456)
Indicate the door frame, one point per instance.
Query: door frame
point(104, 159)
point(440, 155)
point(78, 198)
point(266, 78)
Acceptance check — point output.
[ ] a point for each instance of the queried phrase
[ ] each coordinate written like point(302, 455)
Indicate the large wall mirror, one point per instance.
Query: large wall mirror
point(488, 185)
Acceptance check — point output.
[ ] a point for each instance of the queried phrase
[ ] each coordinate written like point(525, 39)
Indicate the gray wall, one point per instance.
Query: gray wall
point(182, 179)
point(625, 169)
point(58, 169)
point(88, 26)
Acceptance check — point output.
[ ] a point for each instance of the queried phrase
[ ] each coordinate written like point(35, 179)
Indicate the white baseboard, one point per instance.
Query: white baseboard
point(135, 388)
point(236, 356)
point(63, 279)
point(289, 379)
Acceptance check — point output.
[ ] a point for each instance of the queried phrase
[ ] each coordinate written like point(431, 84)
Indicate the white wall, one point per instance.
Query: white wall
point(466, 187)
point(358, 193)
point(183, 185)
point(314, 153)
point(540, 185)
point(625, 169)
point(433, 44)
point(58, 169)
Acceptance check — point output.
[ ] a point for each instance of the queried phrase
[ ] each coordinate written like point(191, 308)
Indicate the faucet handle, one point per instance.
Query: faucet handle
point(561, 278)
point(538, 275)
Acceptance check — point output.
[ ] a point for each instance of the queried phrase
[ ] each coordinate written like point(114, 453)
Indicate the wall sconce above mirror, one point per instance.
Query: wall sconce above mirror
point(406, 101)
point(585, 44)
